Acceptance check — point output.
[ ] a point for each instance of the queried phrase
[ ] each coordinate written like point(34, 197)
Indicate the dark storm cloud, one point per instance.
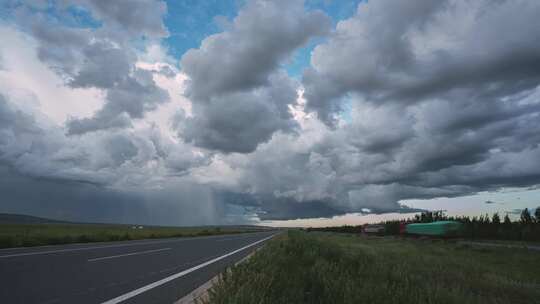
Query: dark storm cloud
point(381, 131)
point(268, 207)
point(390, 153)
point(13, 120)
point(104, 66)
point(60, 46)
point(103, 58)
point(262, 35)
point(417, 56)
point(271, 208)
point(236, 198)
point(122, 158)
point(98, 122)
point(132, 97)
point(431, 117)
point(439, 99)
point(238, 122)
point(99, 177)
point(286, 209)
point(75, 201)
point(120, 148)
point(442, 152)
point(363, 52)
point(289, 209)
point(239, 97)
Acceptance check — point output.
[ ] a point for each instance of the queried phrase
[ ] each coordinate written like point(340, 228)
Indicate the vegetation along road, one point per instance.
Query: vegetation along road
point(319, 267)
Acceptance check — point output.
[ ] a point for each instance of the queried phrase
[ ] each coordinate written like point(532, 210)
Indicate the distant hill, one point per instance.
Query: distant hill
point(7, 218)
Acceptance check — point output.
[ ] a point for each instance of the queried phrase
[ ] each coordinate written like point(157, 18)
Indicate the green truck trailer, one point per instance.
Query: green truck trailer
point(440, 228)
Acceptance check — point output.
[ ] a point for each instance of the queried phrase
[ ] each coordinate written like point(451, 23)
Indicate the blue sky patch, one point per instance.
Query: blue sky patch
point(190, 21)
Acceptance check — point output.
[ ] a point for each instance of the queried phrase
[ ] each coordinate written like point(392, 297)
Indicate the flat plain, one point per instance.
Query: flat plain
point(26, 235)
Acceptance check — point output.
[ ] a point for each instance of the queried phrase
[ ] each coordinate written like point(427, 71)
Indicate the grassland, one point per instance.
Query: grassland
point(300, 267)
point(22, 235)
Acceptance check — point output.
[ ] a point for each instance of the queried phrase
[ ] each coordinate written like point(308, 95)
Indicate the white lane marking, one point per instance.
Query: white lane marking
point(138, 291)
point(235, 238)
point(70, 250)
point(224, 240)
point(137, 242)
point(104, 246)
point(127, 254)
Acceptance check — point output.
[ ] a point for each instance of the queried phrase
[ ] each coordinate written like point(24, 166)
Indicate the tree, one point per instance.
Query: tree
point(526, 217)
point(537, 215)
point(507, 221)
point(496, 219)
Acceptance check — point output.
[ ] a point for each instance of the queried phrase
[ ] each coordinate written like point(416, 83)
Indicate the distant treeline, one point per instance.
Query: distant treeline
point(527, 228)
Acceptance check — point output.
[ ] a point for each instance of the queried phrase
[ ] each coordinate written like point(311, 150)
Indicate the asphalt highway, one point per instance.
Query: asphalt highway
point(144, 271)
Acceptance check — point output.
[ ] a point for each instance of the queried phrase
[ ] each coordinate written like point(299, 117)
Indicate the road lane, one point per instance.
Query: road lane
point(51, 249)
point(127, 254)
point(180, 274)
point(55, 251)
point(83, 274)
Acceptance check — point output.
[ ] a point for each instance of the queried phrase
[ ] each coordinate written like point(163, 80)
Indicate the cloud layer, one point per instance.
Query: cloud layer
point(403, 100)
point(240, 96)
point(103, 58)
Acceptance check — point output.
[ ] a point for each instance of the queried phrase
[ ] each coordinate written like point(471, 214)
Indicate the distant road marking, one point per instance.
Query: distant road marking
point(127, 254)
point(74, 249)
point(103, 246)
point(138, 291)
point(234, 238)
point(224, 240)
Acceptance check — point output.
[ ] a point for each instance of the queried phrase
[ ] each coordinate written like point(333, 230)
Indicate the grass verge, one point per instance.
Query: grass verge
point(300, 267)
point(25, 235)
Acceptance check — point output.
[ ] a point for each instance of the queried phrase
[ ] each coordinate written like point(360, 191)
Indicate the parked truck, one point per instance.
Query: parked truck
point(438, 229)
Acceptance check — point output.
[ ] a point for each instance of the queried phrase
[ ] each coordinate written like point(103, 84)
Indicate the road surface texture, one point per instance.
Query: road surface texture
point(144, 271)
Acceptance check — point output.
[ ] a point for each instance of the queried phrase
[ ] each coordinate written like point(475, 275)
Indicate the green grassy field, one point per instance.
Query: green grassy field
point(22, 235)
point(300, 267)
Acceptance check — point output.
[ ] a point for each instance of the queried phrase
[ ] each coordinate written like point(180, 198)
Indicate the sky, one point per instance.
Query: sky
point(283, 113)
